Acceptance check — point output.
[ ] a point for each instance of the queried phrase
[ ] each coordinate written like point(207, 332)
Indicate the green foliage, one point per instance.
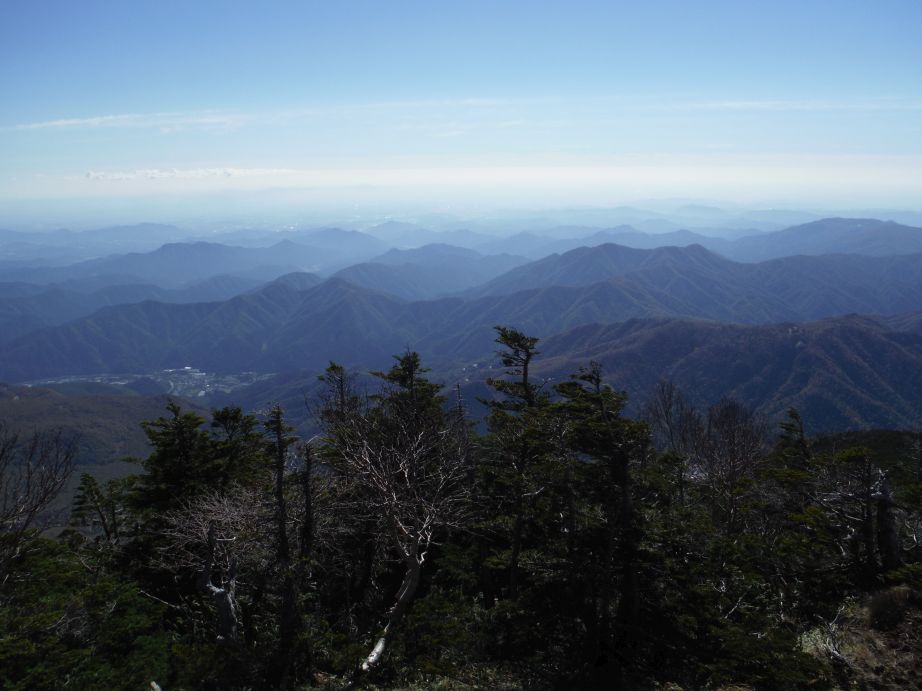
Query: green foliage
point(103, 510)
point(188, 461)
point(577, 555)
point(180, 465)
point(769, 660)
point(518, 352)
point(237, 446)
point(61, 624)
point(441, 633)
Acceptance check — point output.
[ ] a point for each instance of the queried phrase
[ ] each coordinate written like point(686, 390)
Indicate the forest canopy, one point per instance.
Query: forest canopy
point(559, 544)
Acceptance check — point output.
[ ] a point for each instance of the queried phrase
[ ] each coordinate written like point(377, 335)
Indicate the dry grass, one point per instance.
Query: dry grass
point(876, 645)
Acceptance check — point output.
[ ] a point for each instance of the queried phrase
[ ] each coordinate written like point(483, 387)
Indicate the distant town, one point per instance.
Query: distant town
point(182, 381)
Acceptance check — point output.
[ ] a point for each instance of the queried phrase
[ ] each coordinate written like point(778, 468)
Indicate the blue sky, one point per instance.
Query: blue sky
point(494, 102)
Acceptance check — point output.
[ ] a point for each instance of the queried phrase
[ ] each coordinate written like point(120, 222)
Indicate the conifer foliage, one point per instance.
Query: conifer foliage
point(559, 543)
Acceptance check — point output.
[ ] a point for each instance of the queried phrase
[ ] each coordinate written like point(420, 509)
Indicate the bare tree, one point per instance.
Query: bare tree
point(222, 537)
point(32, 473)
point(677, 428)
point(864, 518)
point(408, 461)
point(675, 423)
point(729, 454)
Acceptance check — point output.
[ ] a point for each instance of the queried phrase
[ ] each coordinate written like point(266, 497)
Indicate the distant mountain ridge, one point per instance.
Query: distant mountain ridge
point(693, 281)
point(176, 264)
point(428, 272)
point(869, 237)
point(848, 372)
point(289, 325)
point(586, 265)
point(842, 373)
point(26, 307)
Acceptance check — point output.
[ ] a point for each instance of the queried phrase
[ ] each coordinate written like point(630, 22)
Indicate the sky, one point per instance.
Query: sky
point(203, 105)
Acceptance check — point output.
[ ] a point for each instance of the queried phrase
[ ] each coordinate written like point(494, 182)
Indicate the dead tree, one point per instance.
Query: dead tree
point(677, 428)
point(217, 537)
point(224, 593)
point(888, 537)
point(729, 455)
point(408, 459)
point(32, 472)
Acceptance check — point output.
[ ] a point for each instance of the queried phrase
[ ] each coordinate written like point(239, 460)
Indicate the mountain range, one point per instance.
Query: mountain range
point(287, 325)
point(688, 312)
point(27, 307)
point(429, 271)
point(868, 237)
point(850, 372)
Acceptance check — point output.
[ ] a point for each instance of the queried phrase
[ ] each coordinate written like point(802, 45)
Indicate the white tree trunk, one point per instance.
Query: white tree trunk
point(404, 597)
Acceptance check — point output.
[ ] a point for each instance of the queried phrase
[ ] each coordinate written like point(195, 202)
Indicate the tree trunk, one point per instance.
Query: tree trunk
point(306, 538)
point(228, 613)
point(224, 596)
point(517, 537)
point(404, 598)
point(289, 617)
point(870, 565)
point(888, 540)
point(361, 576)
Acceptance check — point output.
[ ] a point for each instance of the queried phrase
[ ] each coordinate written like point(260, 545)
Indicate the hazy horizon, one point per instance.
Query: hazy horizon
point(227, 212)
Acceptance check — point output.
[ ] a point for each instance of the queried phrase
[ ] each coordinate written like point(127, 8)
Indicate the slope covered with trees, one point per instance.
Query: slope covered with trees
point(568, 545)
point(844, 373)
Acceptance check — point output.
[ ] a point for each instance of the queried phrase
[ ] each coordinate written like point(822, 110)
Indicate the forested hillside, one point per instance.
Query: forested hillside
point(568, 545)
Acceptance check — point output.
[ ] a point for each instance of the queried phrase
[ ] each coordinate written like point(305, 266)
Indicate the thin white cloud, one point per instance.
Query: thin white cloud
point(175, 121)
point(188, 173)
point(795, 105)
point(447, 103)
point(162, 121)
point(168, 122)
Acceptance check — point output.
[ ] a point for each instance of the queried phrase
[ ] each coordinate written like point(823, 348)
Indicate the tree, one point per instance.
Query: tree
point(245, 547)
point(181, 464)
point(32, 472)
point(517, 438)
point(407, 460)
point(676, 427)
point(217, 538)
point(728, 456)
point(517, 355)
point(102, 509)
point(280, 439)
point(611, 443)
point(237, 447)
